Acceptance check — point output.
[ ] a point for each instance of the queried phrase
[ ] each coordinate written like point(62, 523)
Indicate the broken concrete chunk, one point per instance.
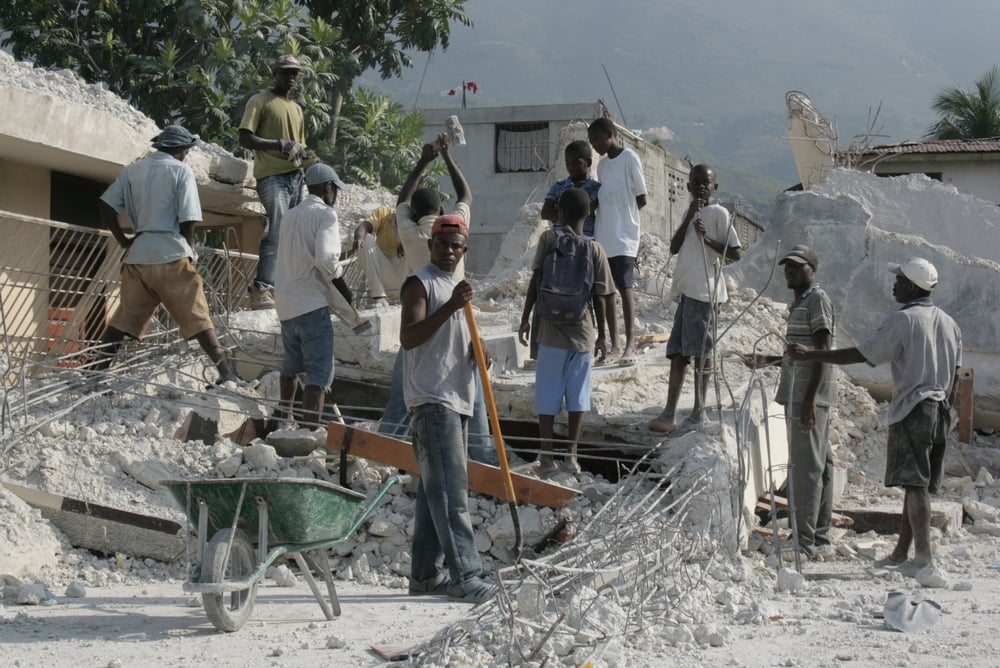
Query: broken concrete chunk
point(282, 576)
point(76, 589)
point(261, 456)
point(790, 581)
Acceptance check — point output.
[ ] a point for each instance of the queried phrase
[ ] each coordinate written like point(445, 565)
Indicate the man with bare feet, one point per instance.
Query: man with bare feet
point(705, 236)
point(924, 347)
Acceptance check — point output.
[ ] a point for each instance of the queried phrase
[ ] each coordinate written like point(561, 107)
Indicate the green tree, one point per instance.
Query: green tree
point(969, 114)
point(379, 141)
point(198, 61)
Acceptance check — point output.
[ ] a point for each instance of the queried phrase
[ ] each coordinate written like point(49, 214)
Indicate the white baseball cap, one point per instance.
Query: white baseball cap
point(920, 272)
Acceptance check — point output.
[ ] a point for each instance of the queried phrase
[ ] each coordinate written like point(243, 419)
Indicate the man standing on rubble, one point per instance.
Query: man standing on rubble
point(807, 391)
point(923, 346)
point(439, 389)
point(160, 197)
point(306, 274)
point(274, 129)
point(702, 243)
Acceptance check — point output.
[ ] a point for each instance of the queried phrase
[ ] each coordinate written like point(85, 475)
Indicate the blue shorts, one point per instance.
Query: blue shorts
point(308, 344)
point(562, 373)
point(622, 271)
point(692, 328)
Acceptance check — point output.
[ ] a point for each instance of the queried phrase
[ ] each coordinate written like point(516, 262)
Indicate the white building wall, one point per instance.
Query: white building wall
point(974, 174)
point(498, 198)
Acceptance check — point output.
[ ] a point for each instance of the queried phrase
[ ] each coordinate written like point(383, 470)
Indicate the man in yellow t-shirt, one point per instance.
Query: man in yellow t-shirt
point(274, 129)
point(380, 255)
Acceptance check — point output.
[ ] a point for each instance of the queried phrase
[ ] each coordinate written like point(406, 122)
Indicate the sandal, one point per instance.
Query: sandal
point(472, 591)
point(438, 586)
point(628, 360)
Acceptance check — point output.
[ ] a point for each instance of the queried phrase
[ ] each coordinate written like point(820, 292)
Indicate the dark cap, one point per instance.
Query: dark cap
point(286, 62)
point(174, 136)
point(450, 223)
point(801, 255)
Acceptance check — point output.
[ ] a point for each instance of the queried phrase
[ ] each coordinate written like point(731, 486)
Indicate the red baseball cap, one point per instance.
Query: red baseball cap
point(450, 223)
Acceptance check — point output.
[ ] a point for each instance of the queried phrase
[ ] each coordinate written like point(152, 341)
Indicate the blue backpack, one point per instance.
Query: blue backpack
point(565, 278)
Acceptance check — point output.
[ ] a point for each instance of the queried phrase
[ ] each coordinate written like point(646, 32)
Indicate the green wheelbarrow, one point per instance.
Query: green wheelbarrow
point(298, 518)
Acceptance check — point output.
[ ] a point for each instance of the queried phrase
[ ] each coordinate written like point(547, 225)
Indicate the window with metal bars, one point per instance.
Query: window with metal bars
point(522, 147)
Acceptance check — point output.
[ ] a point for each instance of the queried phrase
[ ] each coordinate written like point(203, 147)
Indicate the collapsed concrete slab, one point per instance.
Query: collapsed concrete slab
point(857, 222)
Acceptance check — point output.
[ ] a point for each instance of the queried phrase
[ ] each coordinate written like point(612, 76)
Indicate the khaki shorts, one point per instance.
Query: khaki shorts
point(176, 285)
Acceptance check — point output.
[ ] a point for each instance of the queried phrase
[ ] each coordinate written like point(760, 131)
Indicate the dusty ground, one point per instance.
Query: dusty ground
point(834, 622)
point(153, 624)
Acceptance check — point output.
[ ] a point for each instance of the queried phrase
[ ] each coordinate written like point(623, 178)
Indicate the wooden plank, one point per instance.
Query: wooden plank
point(781, 503)
point(483, 478)
point(106, 529)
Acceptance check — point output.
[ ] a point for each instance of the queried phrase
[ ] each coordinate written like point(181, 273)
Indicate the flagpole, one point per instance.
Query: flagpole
point(463, 95)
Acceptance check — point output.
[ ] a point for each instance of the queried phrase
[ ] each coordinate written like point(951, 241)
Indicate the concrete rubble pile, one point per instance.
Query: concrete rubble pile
point(684, 609)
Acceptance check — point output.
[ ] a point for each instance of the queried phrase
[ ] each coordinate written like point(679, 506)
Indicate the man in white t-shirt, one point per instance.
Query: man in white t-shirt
point(306, 274)
point(622, 194)
point(705, 236)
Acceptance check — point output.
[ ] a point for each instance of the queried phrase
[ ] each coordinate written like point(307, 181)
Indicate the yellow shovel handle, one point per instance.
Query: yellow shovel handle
point(491, 406)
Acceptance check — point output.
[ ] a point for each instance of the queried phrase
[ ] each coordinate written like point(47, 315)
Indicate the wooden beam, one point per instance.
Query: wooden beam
point(106, 529)
point(483, 478)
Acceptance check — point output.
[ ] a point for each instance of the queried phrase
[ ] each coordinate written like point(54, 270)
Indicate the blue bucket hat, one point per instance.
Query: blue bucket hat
point(174, 136)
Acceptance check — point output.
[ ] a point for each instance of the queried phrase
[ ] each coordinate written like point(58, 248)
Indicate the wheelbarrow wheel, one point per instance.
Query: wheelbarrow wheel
point(229, 610)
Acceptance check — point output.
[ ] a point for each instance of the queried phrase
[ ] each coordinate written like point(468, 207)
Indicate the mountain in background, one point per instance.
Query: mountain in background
point(715, 74)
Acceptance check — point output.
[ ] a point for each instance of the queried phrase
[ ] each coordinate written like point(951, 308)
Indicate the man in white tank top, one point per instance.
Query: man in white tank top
point(439, 389)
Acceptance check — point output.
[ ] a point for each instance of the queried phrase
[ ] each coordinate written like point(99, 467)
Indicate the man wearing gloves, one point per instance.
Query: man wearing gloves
point(274, 129)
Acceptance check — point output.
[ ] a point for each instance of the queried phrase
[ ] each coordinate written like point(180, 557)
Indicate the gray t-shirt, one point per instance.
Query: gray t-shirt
point(439, 372)
point(924, 348)
point(158, 193)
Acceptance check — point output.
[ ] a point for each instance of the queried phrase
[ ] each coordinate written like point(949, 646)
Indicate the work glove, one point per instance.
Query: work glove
point(295, 150)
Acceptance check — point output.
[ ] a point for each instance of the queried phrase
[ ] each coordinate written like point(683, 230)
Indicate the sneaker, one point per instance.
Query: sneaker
point(437, 586)
point(472, 591)
point(380, 302)
point(261, 298)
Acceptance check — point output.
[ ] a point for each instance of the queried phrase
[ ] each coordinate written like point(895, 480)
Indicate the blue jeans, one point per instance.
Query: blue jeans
point(442, 528)
point(396, 419)
point(278, 194)
point(307, 341)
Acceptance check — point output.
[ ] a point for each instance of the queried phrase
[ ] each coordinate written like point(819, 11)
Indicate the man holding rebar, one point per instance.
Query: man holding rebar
point(923, 346)
point(807, 390)
point(702, 243)
point(160, 197)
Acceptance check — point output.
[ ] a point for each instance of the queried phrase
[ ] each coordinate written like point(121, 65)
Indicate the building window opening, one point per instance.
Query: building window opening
point(522, 147)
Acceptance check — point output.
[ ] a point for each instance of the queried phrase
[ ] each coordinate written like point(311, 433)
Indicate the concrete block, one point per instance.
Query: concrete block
point(507, 352)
